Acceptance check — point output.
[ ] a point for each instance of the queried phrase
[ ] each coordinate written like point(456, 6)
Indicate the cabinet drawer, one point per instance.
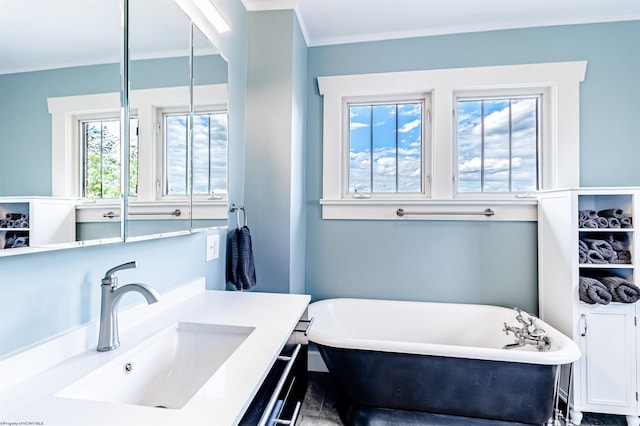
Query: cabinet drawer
point(280, 396)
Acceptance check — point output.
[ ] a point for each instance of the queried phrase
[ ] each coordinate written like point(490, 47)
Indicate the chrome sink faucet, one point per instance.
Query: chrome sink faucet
point(108, 338)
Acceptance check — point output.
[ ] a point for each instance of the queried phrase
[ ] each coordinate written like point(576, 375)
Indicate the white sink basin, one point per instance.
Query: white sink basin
point(165, 371)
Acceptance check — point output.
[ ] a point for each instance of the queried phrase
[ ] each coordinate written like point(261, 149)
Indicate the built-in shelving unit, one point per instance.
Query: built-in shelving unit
point(589, 236)
point(36, 221)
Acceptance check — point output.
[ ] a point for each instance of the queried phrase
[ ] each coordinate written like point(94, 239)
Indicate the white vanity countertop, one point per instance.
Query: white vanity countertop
point(274, 316)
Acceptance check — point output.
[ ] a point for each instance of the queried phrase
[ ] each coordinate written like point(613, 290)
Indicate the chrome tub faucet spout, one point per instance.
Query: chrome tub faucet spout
point(108, 338)
point(525, 336)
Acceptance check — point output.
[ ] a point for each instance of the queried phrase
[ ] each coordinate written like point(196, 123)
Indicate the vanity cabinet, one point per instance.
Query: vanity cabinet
point(606, 379)
point(36, 221)
point(280, 396)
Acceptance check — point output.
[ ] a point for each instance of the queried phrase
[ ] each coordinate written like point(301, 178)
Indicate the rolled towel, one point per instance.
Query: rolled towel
point(614, 222)
point(618, 244)
point(603, 247)
point(583, 249)
point(592, 291)
point(624, 257)
point(585, 215)
point(622, 291)
point(625, 222)
point(589, 223)
point(583, 257)
point(589, 214)
point(603, 222)
point(617, 213)
point(594, 256)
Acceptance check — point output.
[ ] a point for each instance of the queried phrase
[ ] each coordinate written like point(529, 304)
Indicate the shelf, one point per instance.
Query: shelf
point(605, 230)
point(606, 265)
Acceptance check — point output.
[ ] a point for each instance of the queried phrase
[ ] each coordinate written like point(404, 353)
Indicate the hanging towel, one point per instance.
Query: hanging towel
point(592, 291)
point(621, 290)
point(241, 270)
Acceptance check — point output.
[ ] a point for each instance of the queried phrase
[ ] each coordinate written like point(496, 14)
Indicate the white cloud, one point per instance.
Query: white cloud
point(410, 126)
point(355, 125)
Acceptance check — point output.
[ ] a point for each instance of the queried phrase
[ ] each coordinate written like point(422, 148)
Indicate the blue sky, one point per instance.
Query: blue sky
point(209, 133)
point(496, 145)
point(375, 155)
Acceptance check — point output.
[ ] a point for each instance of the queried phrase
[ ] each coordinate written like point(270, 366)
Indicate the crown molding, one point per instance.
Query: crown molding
point(256, 5)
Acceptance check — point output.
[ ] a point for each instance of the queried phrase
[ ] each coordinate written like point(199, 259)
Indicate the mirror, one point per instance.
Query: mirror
point(43, 60)
point(178, 104)
point(66, 66)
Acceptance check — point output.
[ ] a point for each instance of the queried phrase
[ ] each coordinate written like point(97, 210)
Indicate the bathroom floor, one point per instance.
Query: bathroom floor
point(319, 407)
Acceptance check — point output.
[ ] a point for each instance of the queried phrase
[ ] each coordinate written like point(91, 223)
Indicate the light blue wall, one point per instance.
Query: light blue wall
point(25, 122)
point(475, 262)
point(44, 294)
point(274, 168)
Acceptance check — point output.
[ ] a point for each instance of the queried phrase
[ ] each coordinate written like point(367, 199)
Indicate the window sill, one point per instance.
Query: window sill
point(504, 210)
point(150, 210)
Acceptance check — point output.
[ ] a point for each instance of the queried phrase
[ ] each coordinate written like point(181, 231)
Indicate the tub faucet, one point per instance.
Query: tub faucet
point(536, 337)
point(108, 338)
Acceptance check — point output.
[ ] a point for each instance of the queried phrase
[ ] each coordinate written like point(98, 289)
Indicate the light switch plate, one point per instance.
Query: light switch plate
point(213, 247)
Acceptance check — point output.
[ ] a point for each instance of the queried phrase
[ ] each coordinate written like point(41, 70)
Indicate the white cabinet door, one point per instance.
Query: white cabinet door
point(608, 366)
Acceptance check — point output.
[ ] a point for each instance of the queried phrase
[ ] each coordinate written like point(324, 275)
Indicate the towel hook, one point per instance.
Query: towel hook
point(236, 208)
point(244, 216)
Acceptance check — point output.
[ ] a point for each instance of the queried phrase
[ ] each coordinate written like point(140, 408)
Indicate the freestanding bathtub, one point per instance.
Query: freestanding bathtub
point(427, 363)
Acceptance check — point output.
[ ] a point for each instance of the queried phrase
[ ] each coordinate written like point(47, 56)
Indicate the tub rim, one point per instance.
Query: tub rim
point(567, 352)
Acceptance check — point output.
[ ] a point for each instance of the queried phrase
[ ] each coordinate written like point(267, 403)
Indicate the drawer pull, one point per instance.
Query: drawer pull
point(306, 329)
point(294, 416)
point(279, 386)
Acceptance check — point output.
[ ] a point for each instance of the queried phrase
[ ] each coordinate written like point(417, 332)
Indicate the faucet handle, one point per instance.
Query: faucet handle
point(110, 275)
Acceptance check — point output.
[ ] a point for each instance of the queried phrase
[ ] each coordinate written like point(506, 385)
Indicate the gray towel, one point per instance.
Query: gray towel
point(624, 257)
point(614, 222)
point(586, 215)
point(589, 223)
point(617, 213)
point(241, 270)
point(592, 291)
point(603, 222)
point(603, 247)
point(622, 291)
point(625, 222)
point(594, 256)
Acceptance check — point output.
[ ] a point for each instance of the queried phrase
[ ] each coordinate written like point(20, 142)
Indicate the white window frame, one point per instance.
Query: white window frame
point(66, 113)
point(559, 83)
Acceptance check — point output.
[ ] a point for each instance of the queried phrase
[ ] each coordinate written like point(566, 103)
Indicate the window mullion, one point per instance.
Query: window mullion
point(397, 162)
point(510, 145)
point(482, 128)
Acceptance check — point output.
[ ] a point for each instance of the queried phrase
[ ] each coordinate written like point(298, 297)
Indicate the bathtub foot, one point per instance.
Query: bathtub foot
point(575, 417)
point(633, 420)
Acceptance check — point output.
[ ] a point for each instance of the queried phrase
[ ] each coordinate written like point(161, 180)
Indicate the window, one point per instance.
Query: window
point(209, 153)
point(487, 137)
point(498, 140)
point(385, 148)
point(101, 158)
point(84, 136)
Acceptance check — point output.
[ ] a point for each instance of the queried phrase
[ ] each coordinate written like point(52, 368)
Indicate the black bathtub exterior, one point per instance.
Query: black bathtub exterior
point(498, 391)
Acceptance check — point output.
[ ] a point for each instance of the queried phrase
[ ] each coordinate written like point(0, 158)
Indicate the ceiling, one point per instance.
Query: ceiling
point(344, 21)
point(40, 34)
point(46, 34)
